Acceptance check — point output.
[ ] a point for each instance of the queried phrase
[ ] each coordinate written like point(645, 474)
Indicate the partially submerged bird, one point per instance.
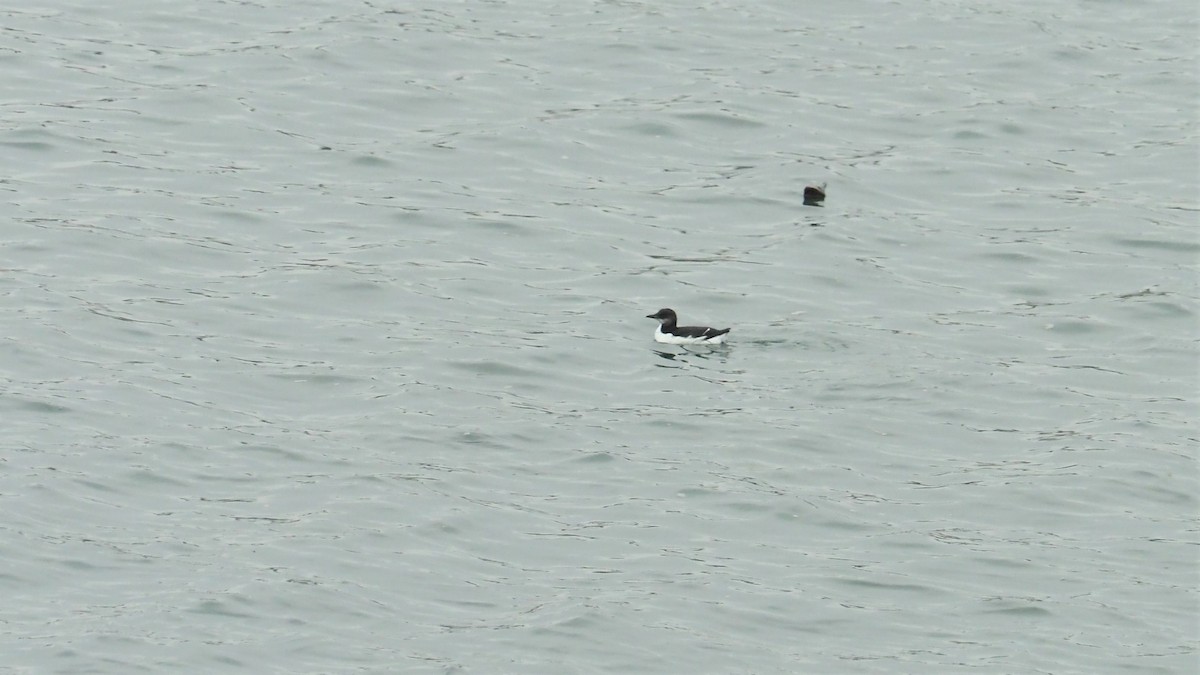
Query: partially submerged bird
point(814, 194)
point(669, 333)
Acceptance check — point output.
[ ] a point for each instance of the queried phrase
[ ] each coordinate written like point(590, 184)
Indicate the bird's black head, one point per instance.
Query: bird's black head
point(664, 315)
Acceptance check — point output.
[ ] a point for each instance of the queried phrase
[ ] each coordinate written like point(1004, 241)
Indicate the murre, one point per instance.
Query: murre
point(670, 333)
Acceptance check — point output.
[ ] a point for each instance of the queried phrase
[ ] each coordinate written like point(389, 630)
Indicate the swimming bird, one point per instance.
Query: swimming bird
point(814, 194)
point(669, 333)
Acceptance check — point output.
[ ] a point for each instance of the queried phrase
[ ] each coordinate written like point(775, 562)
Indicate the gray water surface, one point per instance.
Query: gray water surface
point(324, 345)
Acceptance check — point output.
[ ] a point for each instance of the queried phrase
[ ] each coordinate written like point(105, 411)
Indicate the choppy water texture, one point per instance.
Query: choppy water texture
point(324, 345)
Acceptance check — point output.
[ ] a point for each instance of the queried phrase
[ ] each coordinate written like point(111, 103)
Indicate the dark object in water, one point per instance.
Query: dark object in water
point(814, 194)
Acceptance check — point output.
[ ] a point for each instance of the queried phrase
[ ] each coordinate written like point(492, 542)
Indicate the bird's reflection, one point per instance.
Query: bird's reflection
point(684, 355)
